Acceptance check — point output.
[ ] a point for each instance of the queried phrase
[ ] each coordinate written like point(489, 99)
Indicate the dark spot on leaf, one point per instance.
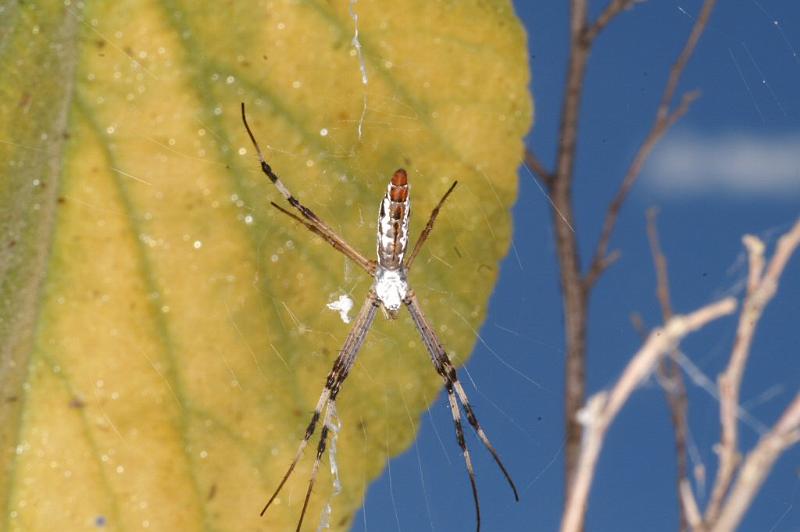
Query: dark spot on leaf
point(76, 402)
point(212, 492)
point(11, 399)
point(12, 243)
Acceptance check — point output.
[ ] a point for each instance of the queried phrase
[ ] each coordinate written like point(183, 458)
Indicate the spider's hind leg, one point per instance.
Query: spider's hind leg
point(451, 398)
point(322, 403)
point(323, 438)
point(473, 420)
point(445, 368)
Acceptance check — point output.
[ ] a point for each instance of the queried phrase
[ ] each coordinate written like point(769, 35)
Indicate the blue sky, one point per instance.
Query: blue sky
point(730, 167)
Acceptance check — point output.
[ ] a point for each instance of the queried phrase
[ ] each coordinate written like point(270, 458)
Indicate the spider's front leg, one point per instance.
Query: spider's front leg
point(309, 219)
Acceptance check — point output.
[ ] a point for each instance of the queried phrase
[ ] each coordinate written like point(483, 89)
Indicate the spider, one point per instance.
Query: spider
point(390, 290)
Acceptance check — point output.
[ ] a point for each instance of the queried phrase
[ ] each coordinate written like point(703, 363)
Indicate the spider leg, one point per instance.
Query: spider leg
point(323, 438)
point(337, 244)
point(473, 420)
point(428, 227)
point(322, 403)
point(463, 444)
point(341, 368)
point(446, 369)
point(320, 227)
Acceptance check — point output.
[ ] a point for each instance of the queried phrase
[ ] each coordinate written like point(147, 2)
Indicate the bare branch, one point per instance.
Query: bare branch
point(671, 377)
point(574, 285)
point(760, 292)
point(602, 408)
point(538, 168)
point(755, 256)
point(689, 504)
point(578, 14)
point(660, 263)
point(664, 120)
point(612, 10)
point(757, 465)
point(661, 126)
point(575, 308)
point(688, 49)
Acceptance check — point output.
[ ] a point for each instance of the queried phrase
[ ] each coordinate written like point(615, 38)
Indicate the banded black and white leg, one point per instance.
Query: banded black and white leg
point(341, 369)
point(444, 367)
point(355, 339)
point(309, 219)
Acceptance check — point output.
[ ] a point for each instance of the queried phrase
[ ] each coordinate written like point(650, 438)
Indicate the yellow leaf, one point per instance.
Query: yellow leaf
point(163, 331)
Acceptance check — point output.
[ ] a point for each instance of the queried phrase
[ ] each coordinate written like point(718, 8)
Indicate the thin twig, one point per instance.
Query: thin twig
point(757, 465)
point(538, 168)
point(689, 504)
point(575, 299)
point(672, 378)
point(600, 259)
point(602, 408)
point(664, 120)
point(575, 285)
point(560, 188)
point(761, 289)
point(612, 10)
point(660, 263)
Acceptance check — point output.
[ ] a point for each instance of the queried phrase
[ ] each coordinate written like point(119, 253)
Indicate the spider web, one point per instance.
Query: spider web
point(748, 69)
point(759, 65)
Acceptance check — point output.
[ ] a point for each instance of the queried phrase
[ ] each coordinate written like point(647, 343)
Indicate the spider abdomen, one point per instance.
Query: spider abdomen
point(393, 217)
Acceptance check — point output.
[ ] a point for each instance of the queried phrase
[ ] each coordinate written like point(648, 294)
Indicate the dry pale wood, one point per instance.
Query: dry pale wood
point(761, 289)
point(757, 465)
point(576, 286)
point(602, 408)
point(693, 516)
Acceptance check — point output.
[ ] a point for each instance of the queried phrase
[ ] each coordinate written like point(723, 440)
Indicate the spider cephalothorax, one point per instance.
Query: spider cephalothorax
point(390, 290)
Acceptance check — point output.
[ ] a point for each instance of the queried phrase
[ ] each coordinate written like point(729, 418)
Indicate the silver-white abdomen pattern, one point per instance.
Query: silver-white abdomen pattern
point(393, 222)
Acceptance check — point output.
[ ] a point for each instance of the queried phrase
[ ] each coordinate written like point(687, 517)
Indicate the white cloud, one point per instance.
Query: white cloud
point(744, 165)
